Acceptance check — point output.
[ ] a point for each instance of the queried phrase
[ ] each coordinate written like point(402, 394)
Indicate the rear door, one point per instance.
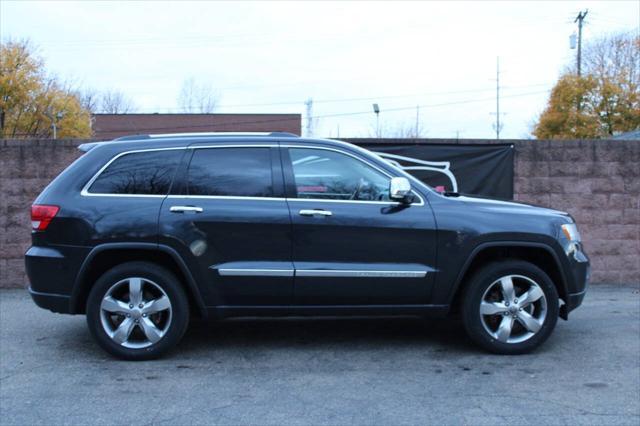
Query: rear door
point(229, 219)
point(352, 245)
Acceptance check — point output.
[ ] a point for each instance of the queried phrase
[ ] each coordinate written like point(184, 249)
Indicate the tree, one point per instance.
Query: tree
point(571, 112)
point(603, 102)
point(31, 102)
point(89, 99)
point(399, 130)
point(197, 97)
point(115, 102)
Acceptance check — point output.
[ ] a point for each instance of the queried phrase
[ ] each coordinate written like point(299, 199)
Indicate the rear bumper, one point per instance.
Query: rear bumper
point(52, 271)
point(54, 302)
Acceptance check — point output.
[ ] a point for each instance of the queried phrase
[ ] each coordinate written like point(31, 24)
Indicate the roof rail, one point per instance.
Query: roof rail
point(206, 134)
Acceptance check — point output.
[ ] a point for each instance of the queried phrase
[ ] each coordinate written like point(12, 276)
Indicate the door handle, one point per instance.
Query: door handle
point(315, 213)
point(185, 209)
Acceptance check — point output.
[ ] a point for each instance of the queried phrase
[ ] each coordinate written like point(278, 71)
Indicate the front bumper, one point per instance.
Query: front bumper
point(579, 271)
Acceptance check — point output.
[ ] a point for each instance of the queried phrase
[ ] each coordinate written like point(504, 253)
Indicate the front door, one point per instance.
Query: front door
point(352, 245)
point(229, 220)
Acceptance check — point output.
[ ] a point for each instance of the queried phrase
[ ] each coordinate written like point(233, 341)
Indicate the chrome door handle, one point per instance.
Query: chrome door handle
point(184, 209)
point(315, 213)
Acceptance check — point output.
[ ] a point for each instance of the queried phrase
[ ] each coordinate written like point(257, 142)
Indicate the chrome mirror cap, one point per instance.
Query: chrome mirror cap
point(399, 188)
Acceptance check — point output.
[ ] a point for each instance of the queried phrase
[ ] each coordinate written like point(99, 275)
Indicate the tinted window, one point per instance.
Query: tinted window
point(139, 173)
point(242, 172)
point(326, 174)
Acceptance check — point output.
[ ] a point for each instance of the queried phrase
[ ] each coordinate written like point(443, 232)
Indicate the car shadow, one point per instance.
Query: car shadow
point(346, 334)
point(204, 340)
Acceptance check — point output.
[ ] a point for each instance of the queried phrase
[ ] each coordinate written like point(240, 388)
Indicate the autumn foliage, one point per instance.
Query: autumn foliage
point(30, 99)
point(601, 103)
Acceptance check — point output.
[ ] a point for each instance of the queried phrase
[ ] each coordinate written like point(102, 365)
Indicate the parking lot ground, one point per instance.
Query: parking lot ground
point(329, 371)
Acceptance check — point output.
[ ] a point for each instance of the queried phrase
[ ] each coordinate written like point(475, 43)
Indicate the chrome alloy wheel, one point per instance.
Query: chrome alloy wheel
point(135, 313)
point(513, 309)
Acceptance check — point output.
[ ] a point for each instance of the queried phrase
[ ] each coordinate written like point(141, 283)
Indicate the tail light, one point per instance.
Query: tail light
point(41, 216)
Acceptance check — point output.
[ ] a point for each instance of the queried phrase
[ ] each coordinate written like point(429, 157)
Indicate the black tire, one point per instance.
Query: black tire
point(162, 278)
point(480, 283)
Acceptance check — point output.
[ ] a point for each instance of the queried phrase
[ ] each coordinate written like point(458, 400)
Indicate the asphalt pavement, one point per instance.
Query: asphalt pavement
point(328, 371)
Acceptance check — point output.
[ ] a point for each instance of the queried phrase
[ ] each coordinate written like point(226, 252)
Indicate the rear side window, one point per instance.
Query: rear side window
point(240, 172)
point(140, 173)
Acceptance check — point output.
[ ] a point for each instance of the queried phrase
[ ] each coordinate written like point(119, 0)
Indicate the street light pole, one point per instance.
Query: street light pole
point(376, 109)
point(53, 124)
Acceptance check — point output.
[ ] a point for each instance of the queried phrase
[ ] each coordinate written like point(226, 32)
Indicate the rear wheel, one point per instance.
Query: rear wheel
point(510, 307)
point(137, 311)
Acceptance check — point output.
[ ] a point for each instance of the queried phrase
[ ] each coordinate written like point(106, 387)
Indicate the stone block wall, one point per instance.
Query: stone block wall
point(596, 181)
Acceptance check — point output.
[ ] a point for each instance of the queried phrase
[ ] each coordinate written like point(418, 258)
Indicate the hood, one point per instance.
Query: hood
point(511, 207)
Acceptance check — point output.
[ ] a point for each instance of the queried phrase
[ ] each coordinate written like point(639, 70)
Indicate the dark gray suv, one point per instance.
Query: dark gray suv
point(143, 234)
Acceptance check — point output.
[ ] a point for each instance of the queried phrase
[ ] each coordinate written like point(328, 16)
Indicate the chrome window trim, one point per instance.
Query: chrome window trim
point(85, 190)
point(226, 197)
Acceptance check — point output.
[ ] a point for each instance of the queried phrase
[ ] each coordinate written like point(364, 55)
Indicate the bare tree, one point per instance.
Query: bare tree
point(398, 130)
point(197, 97)
point(115, 102)
point(408, 131)
point(89, 99)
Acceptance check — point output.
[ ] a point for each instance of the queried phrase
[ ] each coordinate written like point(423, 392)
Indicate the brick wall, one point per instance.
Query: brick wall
point(598, 182)
point(111, 126)
point(26, 167)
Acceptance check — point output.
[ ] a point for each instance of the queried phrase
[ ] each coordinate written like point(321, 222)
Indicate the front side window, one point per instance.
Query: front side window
point(240, 172)
point(330, 175)
point(139, 173)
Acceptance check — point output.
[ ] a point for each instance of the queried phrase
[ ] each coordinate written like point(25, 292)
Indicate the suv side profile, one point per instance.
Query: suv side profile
point(144, 233)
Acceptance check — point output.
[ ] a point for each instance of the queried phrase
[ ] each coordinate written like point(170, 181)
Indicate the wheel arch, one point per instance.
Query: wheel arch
point(539, 254)
point(105, 256)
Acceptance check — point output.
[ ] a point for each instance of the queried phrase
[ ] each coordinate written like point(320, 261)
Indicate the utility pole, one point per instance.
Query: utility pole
point(309, 105)
point(498, 126)
point(579, 20)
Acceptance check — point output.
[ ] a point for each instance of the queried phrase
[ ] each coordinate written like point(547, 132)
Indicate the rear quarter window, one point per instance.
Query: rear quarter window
point(139, 173)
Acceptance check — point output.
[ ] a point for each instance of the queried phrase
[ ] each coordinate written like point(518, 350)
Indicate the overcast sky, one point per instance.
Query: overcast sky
point(271, 57)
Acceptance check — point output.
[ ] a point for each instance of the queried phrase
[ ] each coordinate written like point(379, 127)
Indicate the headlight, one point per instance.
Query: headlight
point(570, 231)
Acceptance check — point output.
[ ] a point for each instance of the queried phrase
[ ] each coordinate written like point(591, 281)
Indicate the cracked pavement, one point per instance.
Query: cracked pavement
point(326, 371)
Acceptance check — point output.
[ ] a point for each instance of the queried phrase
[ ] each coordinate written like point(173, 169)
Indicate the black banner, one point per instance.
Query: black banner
point(485, 170)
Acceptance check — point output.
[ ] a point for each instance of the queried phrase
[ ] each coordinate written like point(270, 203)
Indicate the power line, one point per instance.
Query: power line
point(340, 114)
point(372, 98)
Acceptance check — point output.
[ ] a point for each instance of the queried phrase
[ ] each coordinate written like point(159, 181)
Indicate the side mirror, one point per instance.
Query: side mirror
point(400, 189)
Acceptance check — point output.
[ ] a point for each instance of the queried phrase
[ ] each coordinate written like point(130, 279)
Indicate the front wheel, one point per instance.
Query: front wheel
point(137, 311)
point(510, 307)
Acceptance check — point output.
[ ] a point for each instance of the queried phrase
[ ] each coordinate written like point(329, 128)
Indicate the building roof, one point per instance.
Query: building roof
point(111, 126)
